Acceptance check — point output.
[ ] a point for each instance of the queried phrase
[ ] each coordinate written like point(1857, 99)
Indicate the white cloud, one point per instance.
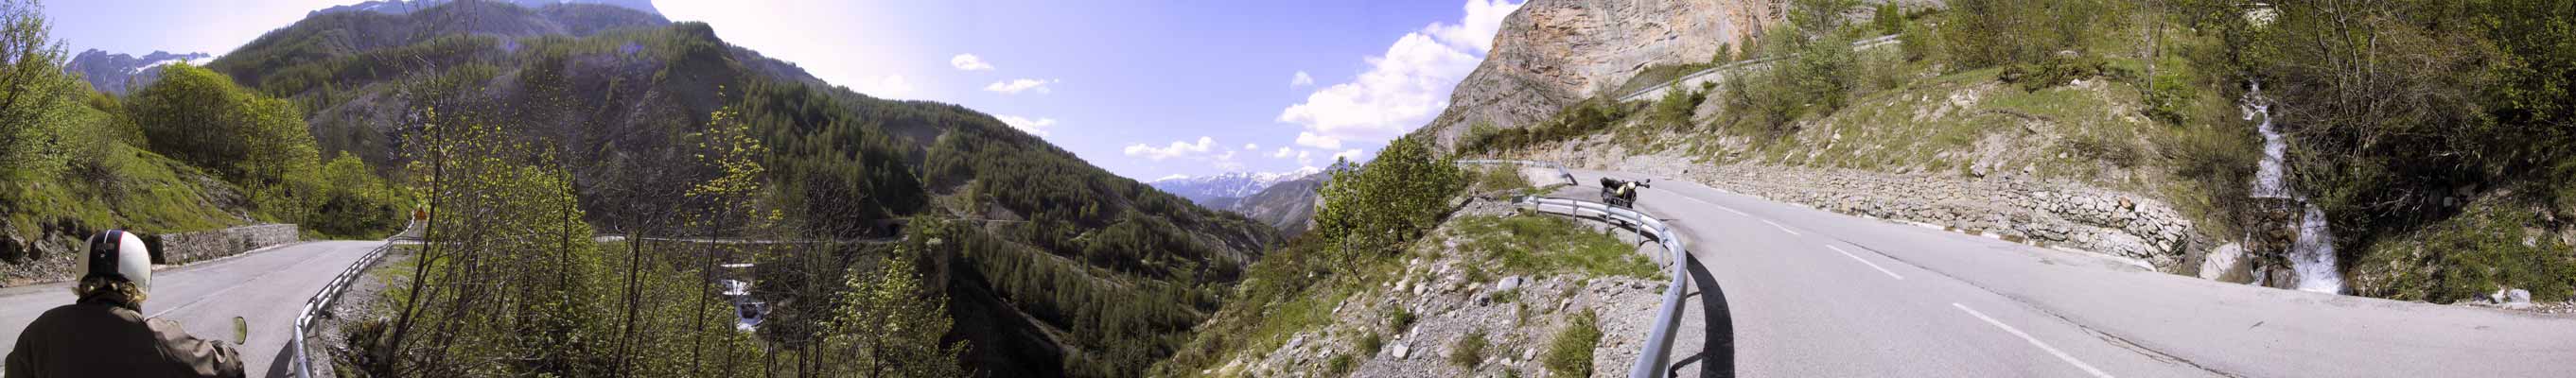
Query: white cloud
point(1477, 30)
point(1176, 149)
point(888, 86)
point(1175, 176)
point(1225, 162)
point(1283, 153)
point(1404, 87)
point(969, 62)
point(1250, 146)
point(1355, 155)
point(1309, 139)
point(1032, 126)
point(1302, 79)
point(1018, 85)
point(1306, 158)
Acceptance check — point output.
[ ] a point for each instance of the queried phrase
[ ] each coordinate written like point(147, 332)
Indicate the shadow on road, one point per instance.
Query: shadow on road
point(282, 366)
point(1717, 352)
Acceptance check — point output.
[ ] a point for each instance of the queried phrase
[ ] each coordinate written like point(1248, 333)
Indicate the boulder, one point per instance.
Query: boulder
point(1400, 351)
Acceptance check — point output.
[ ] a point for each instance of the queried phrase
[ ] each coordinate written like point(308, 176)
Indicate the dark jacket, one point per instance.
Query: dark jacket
point(96, 339)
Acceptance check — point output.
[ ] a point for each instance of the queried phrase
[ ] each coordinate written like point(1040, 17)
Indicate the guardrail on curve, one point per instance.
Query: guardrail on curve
point(331, 293)
point(1657, 354)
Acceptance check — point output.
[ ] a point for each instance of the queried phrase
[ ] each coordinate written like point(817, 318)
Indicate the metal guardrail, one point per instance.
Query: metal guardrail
point(1657, 354)
point(1560, 169)
point(331, 293)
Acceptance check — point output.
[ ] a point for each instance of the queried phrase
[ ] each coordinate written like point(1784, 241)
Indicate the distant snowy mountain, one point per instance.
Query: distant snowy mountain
point(1221, 190)
point(406, 6)
point(119, 73)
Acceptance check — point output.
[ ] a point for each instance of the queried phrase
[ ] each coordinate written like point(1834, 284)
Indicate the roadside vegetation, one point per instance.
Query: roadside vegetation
point(1545, 244)
point(2401, 114)
point(1570, 354)
point(1371, 215)
point(191, 153)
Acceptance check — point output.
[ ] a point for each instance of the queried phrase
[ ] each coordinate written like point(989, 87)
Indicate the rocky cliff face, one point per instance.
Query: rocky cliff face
point(119, 73)
point(1554, 53)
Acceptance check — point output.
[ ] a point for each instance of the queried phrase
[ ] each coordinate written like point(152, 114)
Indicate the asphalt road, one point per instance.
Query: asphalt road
point(267, 287)
point(1810, 293)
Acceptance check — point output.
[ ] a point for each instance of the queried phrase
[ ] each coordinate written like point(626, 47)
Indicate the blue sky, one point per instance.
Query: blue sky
point(1144, 89)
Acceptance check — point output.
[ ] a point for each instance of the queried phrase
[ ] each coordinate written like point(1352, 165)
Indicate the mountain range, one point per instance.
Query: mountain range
point(407, 6)
point(1090, 274)
point(118, 73)
point(1223, 189)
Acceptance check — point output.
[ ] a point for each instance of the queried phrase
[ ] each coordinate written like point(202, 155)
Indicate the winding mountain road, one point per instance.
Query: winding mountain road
point(1811, 293)
point(267, 287)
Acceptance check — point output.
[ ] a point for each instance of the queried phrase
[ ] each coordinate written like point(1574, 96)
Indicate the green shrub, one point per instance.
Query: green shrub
point(354, 203)
point(1399, 319)
point(2053, 71)
point(1988, 33)
point(1375, 209)
point(1370, 343)
point(1339, 365)
point(1570, 355)
point(1500, 178)
point(1917, 43)
point(1470, 350)
point(1674, 110)
point(1888, 18)
point(2468, 256)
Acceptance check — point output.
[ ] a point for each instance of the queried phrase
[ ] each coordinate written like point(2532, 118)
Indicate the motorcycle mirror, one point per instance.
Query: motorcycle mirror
point(241, 331)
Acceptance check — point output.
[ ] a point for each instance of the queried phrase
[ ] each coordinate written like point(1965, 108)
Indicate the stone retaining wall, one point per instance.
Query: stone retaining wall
point(50, 256)
point(188, 247)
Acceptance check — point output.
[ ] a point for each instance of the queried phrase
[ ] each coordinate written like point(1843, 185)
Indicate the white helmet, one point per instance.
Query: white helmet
point(119, 254)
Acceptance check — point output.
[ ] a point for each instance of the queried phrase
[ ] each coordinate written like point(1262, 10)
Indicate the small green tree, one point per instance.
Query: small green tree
point(1888, 18)
point(888, 325)
point(1404, 192)
point(36, 96)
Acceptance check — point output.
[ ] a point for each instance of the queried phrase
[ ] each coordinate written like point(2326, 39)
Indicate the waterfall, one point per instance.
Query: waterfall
point(2312, 255)
point(2267, 173)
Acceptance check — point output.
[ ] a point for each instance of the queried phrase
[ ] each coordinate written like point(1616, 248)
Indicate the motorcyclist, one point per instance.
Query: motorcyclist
point(105, 335)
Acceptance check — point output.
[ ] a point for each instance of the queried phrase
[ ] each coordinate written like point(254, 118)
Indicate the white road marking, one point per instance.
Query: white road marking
point(1782, 228)
point(2033, 341)
point(1863, 261)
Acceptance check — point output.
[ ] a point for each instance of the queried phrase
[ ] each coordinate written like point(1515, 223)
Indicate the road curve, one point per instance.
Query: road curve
point(1815, 293)
point(266, 287)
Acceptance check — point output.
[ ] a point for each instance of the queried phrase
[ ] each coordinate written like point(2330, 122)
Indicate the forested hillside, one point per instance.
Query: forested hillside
point(1049, 265)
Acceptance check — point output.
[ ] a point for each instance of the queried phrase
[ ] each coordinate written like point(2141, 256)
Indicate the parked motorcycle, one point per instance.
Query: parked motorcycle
point(1622, 193)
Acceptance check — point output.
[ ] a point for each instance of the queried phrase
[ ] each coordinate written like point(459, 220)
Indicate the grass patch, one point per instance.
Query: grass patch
point(1398, 319)
point(1570, 355)
point(1339, 365)
point(1370, 343)
point(130, 188)
point(1499, 178)
point(1470, 350)
point(1506, 296)
point(2466, 256)
point(1532, 244)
